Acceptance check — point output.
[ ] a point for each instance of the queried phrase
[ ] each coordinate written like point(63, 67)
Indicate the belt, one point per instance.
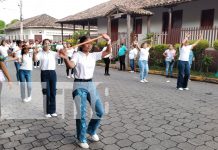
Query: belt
point(82, 80)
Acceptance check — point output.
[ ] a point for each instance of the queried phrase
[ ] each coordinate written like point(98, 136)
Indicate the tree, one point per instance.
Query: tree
point(2, 26)
point(12, 22)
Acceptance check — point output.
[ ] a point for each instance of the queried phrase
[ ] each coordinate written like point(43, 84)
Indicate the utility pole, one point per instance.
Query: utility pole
point(21, 20)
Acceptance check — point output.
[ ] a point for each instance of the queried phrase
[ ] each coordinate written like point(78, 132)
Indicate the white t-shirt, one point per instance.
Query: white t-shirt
point(108, 55)
point(133, 53)
point(47, 60)
point(184, 53)
point(4, 50)
point(85, 64)
point(144, 53)
point(70, 52)
point(17, 51)
point(170, 54)
point(26, 62)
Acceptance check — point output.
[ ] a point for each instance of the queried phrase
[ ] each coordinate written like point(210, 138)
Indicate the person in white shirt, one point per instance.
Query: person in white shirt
point(132, 57)
point(39, 47)
point(48, 76)
point(4, 50)
point(183, 63)
point(143, 61)
point(70, 51)
point(84, 89)
point(25, 73)
point(107, 62)
point(169, 55)
point(17, 54)
point(59, 46)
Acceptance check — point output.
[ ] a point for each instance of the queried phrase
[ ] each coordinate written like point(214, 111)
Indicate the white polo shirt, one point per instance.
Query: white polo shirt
point(27, 62)
point(85, 64)
point(184, 53)
point(133, 53)
point(17, 51)
point(47, 60)
point(144, 53)
point(108, 55)
point(4, 50)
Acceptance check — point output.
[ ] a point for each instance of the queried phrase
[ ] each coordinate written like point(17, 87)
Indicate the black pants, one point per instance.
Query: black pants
point(122, 62)
point(183, 75)
point(107, 63)
point(68, 70)
point(36, 64)
point(60, 61)
point(49, 80)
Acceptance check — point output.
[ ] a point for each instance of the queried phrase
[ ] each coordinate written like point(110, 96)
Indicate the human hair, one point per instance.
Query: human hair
point(43, 42)
point(81, 40)
point(24, 47)
point(2, 42)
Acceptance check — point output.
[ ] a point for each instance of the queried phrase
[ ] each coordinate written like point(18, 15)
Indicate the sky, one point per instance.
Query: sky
point(59, 9)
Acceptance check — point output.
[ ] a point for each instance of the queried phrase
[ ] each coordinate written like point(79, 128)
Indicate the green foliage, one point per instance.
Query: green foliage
point(75, 37)
point(148, 37)
point(215, 45)
point(201, 46)
point(177, 46)
point(2, 26)
point(102, 44)
point(156, 54)
point(207, 61)
point(12, 22)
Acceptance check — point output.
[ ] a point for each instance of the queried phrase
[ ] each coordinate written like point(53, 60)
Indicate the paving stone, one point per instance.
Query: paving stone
point(186, 146)
point(28, 140)
point(203, 148)
point(68, 140)
point(67, 147)
point(53, 145)
point(43, 135)
point(127, 148)
point(96, 145)
point(136, 138)
point(24, 147)
point(3, 141)
point(22, 131)
point(39, 148)
point(162, 136)
point(147, 134)
point(108, 133)
point(179, 139)
point(121, 136)
point(17, 137)
point(196, 142)
point(188, 134)
point(55, 138)
point(212, 144)
point(172, 132)
point(156, 147)
point(109, 140)
point(168, 143)
point(152, 141)
point(197, 131)
point(6, 135)
point(111, 147)
point(124, 143)
point(11, 144)
point(140, 145)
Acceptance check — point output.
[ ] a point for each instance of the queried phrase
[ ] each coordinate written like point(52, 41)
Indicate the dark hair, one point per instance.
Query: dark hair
point(81, 40)
point(43, 42)
point(2, 42)
point(18, 42)
point(24, 47)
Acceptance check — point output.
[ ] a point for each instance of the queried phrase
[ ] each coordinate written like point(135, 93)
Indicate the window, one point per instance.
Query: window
point(138, 26)
point(177, 19)
point(207, 18)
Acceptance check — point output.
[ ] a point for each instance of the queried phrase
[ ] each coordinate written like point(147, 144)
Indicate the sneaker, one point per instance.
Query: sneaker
point(145, 80)
point(95, 137)
point(38, 66)
point(68, 77)
point(35, 67)
point(72, 76)
point(28, 99)
point(168, 81)
point(59, 64)
point(186, 89)
point(84, 145)
point(180, 89)
point(48, 116)
point(54, 115)
point(142, 81)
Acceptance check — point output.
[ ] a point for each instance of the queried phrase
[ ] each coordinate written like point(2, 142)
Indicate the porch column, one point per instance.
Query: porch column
point(148, 24)
point(128, 37)
point(89, 28)
point(62, 32)
point(170, 19)
point(83, 27)
point(109, 26)
point(74, 28)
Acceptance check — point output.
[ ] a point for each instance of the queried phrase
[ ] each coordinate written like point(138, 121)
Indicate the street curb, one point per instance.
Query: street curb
point(155, 72)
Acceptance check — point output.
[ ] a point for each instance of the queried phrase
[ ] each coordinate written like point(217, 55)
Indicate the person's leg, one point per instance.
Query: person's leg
point(180, 79)
point(80, 98)
point(17, 66)
point(186, 75)
point(120, 59)
point(38, 62)
point(53, 82)
point(124, 63)
point(45, 90)
point(22, 84)
point(146, 69)
point(105, 67)
point(141, 68)
point(171, 69)
point(29, 82)
point(131, 62)
point(59, 61)
point(167, 67)
point(62, 60)
point(67, 71)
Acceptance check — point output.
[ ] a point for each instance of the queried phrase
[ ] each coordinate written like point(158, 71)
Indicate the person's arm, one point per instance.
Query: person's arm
point(187, 35)
point(69, 64)
point(196, 43)
point(5, 71)
point(164, 54)
point(109, 48)
point(35, 52)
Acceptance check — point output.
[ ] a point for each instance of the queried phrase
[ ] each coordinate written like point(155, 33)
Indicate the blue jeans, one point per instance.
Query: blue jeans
point(183, 75)
point(25, 75)
point(169, 65)
point(17, 66)
point(83, 92)
point(143, 66)
point(49, 81)
point(132, 64)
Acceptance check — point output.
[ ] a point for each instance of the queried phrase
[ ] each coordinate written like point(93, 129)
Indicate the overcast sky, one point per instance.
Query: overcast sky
point(9, 9)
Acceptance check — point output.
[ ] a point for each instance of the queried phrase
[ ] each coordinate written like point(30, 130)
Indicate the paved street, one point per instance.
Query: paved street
point(139, 116)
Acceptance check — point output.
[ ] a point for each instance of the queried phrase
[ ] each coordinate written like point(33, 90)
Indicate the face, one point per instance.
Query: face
point(87, 47)
point(186, 43)
point(46, 45)
point(145, 45)
point(171, 47)
point(26, 50)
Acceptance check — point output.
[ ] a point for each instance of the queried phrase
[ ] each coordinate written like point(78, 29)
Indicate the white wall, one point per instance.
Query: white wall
point(102, 25)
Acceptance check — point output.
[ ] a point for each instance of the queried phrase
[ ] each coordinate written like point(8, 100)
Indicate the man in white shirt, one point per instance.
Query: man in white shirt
point(183, 63)
point(48, 76)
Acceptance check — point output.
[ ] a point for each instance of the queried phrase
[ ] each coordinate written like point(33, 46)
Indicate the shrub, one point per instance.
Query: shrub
point(156, 54)
point(207, 60)
point(201, 46)
point(177, 46)
point(102, 44)
point(215, 45)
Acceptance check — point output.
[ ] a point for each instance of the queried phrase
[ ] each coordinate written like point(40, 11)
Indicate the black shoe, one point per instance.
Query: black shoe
point(108, 74)
point(105, 74)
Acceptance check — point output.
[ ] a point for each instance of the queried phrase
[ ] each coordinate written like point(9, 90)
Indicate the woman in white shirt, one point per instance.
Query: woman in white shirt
point(183, 63)
point(25, 73)
point(84, 89)
point(169, 55)
point(143, 61)
point(70, 52)
point(17, 54)
point(132, 57)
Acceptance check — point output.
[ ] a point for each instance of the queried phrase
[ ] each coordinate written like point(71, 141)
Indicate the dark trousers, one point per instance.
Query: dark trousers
point(17, 66)
point(68, 70)
point(36, 64)
point(107, 63)
point(183, 75)
point(60, 61)
point(49, 80)
point(122, 62)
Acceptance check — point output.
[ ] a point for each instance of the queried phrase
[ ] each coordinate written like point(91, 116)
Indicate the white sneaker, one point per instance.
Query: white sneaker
point(28, 99)
point(48, 116)
point(35, 67)
point(72, 76)
point(168, 81)
point(145, 80)
point(68, 77)
point(54, 115)
point(38, 66)
point(142, 81)
point(180, 89)
point(59, 64)
point(95, 137)
point(186, 89)
point(84, 145)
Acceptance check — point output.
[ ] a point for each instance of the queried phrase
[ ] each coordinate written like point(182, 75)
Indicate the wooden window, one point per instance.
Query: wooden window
point(177, 19)
point(165, 21)
point(138, 26)
point(207, 18)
